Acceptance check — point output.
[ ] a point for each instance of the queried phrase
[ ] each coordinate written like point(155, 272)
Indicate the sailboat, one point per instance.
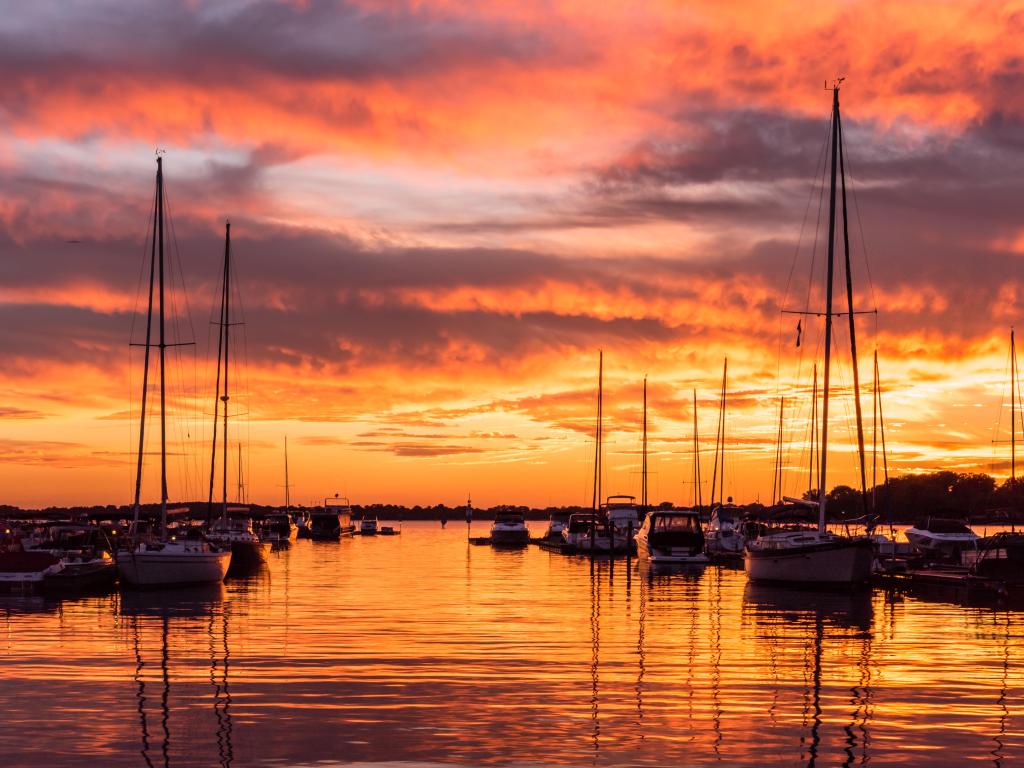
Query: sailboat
point(588, 531)
point(233, 529)
point(667, 535)
point(165, 560)
point(725, 537)
point(820, 556)
point(278, 527)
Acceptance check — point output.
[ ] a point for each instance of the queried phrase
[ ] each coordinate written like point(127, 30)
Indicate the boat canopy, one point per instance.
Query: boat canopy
point(942, 525)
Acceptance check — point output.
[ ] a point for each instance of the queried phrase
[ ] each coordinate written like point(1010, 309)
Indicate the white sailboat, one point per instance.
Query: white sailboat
point(166, 560)
point(233, 530)
point(820, 556)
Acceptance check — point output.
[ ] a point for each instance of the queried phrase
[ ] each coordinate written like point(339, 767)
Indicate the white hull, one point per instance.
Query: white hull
point(670, 555)
point(581, 542)
point(840, 562)
point(172, 566)
point(927, 541)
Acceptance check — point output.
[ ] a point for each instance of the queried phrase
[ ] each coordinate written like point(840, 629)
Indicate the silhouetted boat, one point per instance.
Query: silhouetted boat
point(509, 530)
point(821, 556)
point(167, 560)
point(332, 521)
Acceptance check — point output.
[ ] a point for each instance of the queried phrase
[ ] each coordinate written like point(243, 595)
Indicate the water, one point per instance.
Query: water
point(421, 649)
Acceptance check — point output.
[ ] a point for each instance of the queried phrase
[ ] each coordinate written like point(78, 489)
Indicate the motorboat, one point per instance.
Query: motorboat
point(672, 536)
point(556, 524)
point(808, 556)
point(509, 530)
point(623, 517)
point(332, 521)
point(368, 526)
point(234, 531)
point(586, 532)
point(725, 537)
point(278, 528)
point(26, 571)
point(941, 536)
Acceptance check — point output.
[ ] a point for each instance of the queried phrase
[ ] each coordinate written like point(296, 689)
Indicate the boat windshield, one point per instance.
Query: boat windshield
point(675, 523)
point(940, 525)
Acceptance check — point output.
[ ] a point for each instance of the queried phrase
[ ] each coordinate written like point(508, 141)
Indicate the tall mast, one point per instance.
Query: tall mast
point(287, 487)
point(643, 490)
point(145, 369)
point(163, 349)
point(696, 457)
point(226, 333)
point(720, 444)
point(815, 454)
point(216, 397)
point(885, 455)
point(849, 307)
point(597, 432)
point(1013, 409)
point(874, 440)
point(822, 494)
point(241, 479)
point(777, 476)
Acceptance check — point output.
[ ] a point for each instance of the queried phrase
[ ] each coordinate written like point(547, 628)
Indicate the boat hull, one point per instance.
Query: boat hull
point(160, 569)
point(681, 555)
point(834, 563)
point(246, 555)
point(517, 538)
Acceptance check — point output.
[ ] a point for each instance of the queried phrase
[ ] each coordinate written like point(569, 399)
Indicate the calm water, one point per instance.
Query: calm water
point(421, 649)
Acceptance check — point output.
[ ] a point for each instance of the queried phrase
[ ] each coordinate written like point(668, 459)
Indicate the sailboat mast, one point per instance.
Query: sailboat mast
point(1013, 409)
point(822, 494)
point(597, 432)
point(287, 487)
point(811, 468)
point(216, 398)
point(874, 440)
point(696, 457)
point(852, 316)
point(241, 480)
point(643, 490)
point(145, 368)
point(725, 377)
point(777, 475)
point(226, 332)
point(163, 349)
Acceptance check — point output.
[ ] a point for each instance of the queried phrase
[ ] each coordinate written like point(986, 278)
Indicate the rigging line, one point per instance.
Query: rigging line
point(796, 256)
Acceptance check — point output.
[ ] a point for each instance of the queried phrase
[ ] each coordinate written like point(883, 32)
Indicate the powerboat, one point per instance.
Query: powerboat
point(332, 521)
point(278, 528)
point(234, 531)
point(509, 530)
point(368, 526)
point(623, 517)
point(556, 524)
point(672, 536)
point(725, 537)
point(586, 532)
point(941, 536)
point(26, 571)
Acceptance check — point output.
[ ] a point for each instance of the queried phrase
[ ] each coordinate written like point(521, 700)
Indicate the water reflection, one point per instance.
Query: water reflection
point(423, 649)
point(149, 610)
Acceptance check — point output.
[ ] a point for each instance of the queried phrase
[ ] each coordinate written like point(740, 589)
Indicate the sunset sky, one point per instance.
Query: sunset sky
point(441, 211)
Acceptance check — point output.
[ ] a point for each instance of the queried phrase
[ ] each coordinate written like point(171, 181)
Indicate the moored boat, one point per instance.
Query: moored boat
point(166, 560)
point(509, 530)
point(331, 521)
point(368, 526)
point(586, 532)
point(672, 536)
point(941, 536)
point(26, 571)
point(820, 556)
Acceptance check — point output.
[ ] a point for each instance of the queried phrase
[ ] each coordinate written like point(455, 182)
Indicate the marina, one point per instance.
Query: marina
point(471, 655)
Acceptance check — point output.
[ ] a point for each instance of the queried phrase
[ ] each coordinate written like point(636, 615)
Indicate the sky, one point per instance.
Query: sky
point(442, 211)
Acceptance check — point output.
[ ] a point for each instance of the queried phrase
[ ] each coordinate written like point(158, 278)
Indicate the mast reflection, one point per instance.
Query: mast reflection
point(172, 607)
